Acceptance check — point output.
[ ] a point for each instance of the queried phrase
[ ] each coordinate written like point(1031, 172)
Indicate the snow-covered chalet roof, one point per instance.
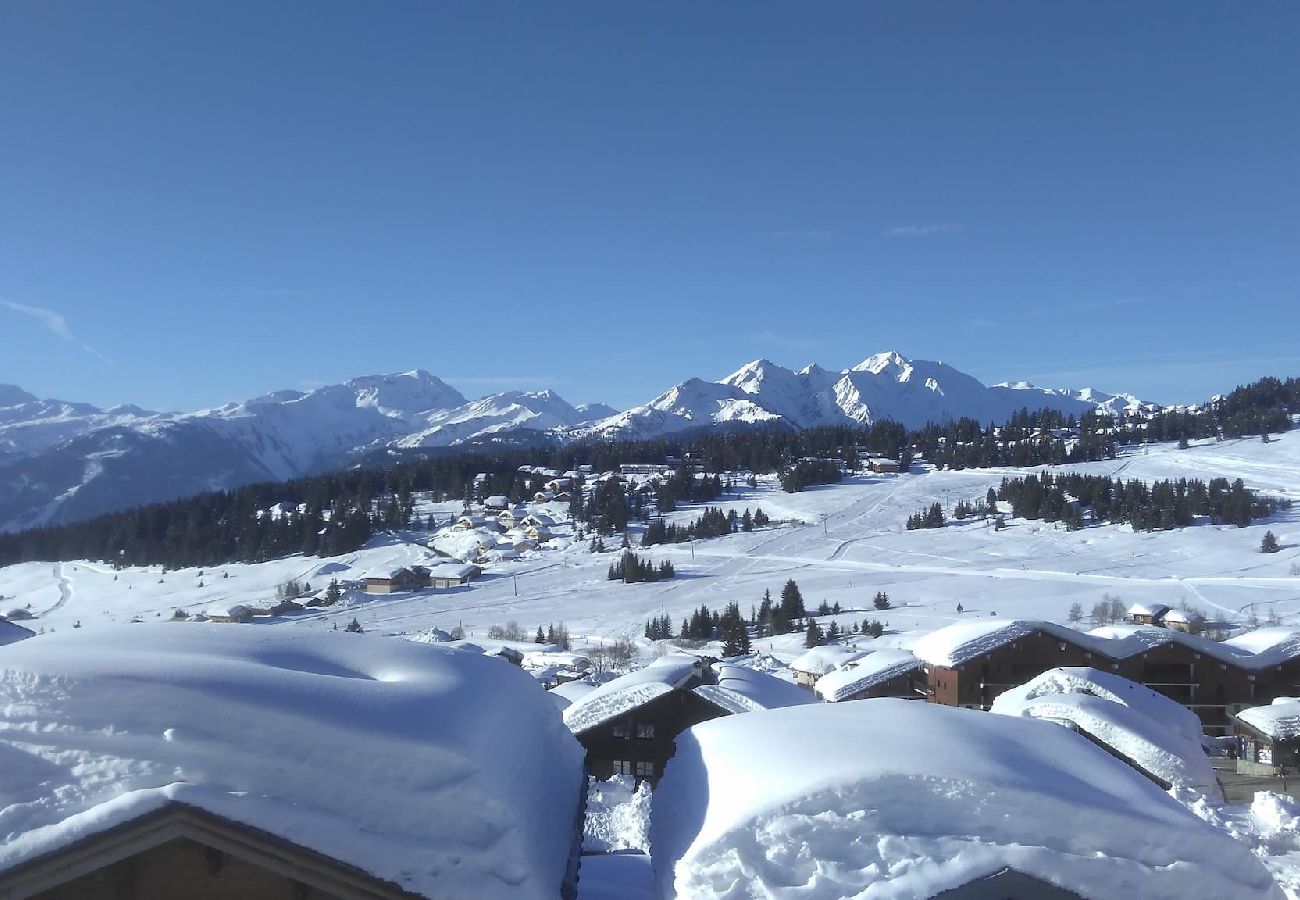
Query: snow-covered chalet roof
point(570, 692)
point(1280, 720)
point(627, 692)
point(820, 660)
point(741, 689)
point(959, 643)
point(446, 773)
point(1142, 609)
point(1160, 735)
point(11, 633)
point(810, 800)
point(865, 673)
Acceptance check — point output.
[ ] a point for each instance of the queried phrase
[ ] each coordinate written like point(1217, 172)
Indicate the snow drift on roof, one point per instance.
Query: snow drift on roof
point(1159, 735)
point(741, 689)
point(865, 673)
point(1280, 720)
point(627, 692)
point(956, 644)
point(820, 660)
point(447, 773)
point(1262, 640)
point(810, 801)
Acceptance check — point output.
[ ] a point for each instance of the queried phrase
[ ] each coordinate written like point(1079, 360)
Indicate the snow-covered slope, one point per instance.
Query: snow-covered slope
point(61, 462)
point(884, 386)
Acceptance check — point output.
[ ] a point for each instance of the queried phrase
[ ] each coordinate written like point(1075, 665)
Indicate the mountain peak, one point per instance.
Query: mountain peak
point(13, 395)
point(890, 361)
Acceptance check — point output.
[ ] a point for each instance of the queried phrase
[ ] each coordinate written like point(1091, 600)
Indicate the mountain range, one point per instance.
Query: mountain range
point(62, 462)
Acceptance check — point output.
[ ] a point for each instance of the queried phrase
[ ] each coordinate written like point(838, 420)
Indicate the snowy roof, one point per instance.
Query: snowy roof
point(1123, 641)
point(12, 634)
point(741, 689)
point(820, 660)
point(627, 692)
point(1159, 735)
point(1280, 720)
point(1262, 640)
point(865, 673)
point(809, 800)
point(956, 644)
point(1142, 609)
point(452, 570)
point(570, 692)
point(95, 732)
point(1177, 615)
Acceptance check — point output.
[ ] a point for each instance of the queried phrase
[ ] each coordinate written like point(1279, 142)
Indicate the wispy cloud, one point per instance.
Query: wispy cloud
point(56, 323)
point(922, 231)
point(797, 235)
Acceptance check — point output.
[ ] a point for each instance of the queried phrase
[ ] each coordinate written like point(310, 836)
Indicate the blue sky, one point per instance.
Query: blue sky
point(204, 202)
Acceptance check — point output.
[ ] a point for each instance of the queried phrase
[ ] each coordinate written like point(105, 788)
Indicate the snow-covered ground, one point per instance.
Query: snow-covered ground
point(851, 544)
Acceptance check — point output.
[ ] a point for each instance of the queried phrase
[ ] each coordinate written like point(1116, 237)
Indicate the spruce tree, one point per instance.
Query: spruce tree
point(813, 636)
point(792, 601)
point(1269, 544)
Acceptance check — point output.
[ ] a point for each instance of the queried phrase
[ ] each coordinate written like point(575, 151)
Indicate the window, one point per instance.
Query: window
point(645, 770)
point(623, 730)
point(645, 731)
point(623, 767)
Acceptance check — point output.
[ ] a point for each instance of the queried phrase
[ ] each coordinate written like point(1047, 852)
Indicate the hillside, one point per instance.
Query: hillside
point(844, 542)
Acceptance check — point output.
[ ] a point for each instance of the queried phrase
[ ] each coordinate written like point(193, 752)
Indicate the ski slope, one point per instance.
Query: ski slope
point(842, 543)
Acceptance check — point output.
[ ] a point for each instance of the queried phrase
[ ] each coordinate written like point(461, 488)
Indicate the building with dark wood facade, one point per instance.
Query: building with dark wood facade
point(629, 726)
point(970, 664)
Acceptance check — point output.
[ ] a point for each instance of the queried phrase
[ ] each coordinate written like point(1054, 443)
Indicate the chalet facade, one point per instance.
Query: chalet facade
point(1268, 739)
point(629, 726)
point(971, 664)
point(396, 580)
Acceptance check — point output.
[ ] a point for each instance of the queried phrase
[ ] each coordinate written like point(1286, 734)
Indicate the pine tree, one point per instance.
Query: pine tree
point(881, 601)
point(1269, 544)
point(541, 637)
point(813, 636)
point(354, 627)
point(792, 601)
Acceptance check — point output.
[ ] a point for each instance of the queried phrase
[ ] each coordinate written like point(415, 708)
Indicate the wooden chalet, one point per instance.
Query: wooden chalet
point(450, 575)
point(396, 580)
point(237, 612)
point(970, 664)
point(183, 851)
point(1268, 738)
point(883, 673)
point(628, 726)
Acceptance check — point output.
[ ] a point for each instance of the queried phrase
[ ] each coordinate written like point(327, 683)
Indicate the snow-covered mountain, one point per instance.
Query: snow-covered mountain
point(61, 462)
point(884, 386)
